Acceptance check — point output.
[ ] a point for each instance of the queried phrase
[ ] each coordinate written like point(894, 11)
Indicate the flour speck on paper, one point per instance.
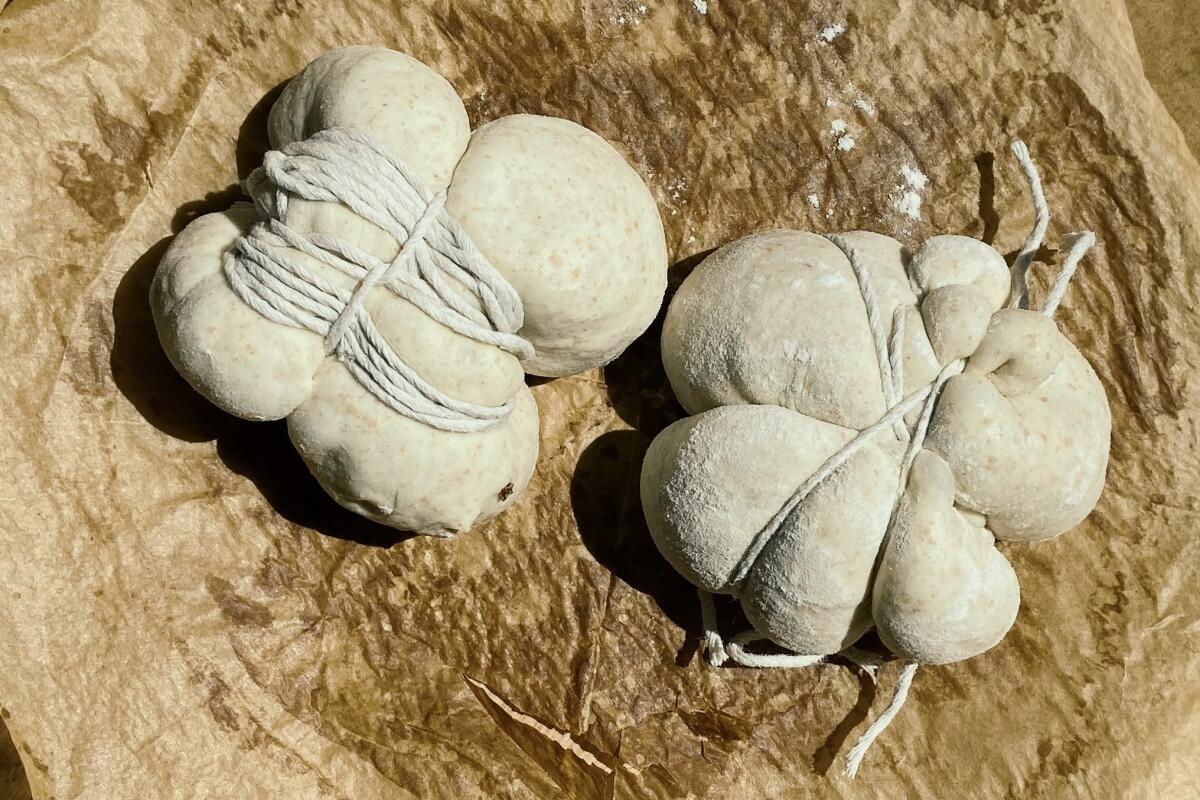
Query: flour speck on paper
point(865, 106)
point(913, 182)
point(632, 14)
point(831, 32)
point(843, 140)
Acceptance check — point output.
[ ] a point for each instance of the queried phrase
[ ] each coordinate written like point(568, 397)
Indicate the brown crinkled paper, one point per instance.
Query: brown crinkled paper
point(183, 614)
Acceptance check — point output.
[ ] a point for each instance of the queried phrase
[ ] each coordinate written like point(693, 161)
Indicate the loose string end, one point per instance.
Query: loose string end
point(739, 655)
point(714, 645)
point(1081, 244)
point(718, 651)
point(899, 695)
point(1019, 293)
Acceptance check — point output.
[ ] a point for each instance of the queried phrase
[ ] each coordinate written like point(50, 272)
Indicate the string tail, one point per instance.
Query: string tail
point(1081, 243)
point(714, 645)
point(899, 695)
point(1019, 292)
point(739, 655)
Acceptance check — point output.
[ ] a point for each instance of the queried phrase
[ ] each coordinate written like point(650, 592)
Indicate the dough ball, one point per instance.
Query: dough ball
point(711, 482)
point(403, 473)
point(943, 592)
point(551, 205)
point(562, 216)
point(777, 318)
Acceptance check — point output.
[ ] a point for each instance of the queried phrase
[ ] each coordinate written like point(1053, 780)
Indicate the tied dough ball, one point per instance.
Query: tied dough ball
point(778, 318)
point(522, 189)
point(767, 343)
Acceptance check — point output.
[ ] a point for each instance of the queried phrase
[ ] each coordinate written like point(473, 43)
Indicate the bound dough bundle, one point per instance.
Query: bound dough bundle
point(972, 418)
point(398, 276)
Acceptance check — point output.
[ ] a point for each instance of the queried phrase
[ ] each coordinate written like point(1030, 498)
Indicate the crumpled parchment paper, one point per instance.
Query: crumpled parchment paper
point(183, 614)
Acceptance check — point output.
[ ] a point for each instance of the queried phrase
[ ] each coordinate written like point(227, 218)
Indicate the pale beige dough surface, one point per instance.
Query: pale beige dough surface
point(543, 198)
point(266, 646)
point(1017, 446)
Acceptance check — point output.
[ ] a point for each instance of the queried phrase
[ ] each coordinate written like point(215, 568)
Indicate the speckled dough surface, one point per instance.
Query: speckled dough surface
point(768, 342)
point(543, 199)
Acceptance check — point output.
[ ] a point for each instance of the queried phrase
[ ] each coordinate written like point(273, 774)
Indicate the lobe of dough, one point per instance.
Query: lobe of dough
point(241, 361)
point(943, 592)
point(791, 329)
point(1025, 430)
point(572, 227)
point(960, 260)
point(711, 483)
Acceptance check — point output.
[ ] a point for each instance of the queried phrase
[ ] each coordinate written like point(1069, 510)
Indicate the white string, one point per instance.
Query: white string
point(899, 695)
point(719, 652)
point(865, 660)
point(836, 460)
point(435, 262)
point(1019, 293)
point(743, 657)
point(874, 321)
point(889, 354)
point(714, 646)
point(896, 362)
point(381, 271)
point(1083, 242)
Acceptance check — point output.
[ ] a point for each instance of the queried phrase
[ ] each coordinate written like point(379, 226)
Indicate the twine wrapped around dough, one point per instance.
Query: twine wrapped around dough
point(435, 261)
point(888, 349)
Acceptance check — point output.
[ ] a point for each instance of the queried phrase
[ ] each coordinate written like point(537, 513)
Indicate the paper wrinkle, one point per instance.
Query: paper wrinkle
point(168, 573)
